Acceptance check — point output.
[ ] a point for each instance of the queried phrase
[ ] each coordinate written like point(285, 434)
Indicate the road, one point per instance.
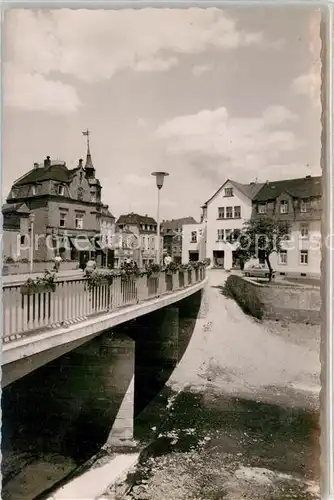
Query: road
point(243, 410)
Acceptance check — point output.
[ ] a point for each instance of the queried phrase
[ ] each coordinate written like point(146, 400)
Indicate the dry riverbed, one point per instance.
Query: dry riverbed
point(238, 419)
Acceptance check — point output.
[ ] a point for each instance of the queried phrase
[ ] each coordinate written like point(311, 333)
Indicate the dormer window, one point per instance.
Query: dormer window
point(33, 190)
point(60, 190)
point(93, 197)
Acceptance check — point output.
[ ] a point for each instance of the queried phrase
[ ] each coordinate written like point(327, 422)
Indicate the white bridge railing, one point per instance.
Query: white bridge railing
point(72, 302)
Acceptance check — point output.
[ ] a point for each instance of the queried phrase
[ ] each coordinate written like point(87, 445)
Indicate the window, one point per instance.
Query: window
point(33, 190)
point(304, 231)
point(284, 207)
point(283, 257)
point(193, 236)
point(93, 197)
point(22, 239)
point(220, 235)
point(62, 220)
point(237, 212)
point(80, 193)
point(229, 212)
point(221, 212)
point(304, 257)
point(304, 206)
point(228, 191)
point(228, 234)
point(61, 190)
point(79, 221)
point(262, 208)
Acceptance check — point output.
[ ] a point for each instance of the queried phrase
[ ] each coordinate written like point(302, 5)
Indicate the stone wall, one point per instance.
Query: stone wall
point(280, 302)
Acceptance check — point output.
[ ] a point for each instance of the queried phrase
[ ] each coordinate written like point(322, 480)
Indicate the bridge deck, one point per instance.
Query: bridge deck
point(72, 302)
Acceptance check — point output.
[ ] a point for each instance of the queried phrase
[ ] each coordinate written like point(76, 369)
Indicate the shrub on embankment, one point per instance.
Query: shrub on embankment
point(244, 294)
point(286, 302)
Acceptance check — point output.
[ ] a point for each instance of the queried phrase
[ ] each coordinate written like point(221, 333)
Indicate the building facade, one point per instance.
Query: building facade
point(15, 232)
point(194, 242)
point(171, 231)
point(224, 215)
point(107, 237)
point(298, 202)
point(142, 237)
point(66, 208)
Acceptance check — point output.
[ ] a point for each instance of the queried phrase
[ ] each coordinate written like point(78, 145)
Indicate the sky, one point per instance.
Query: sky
point(204, 94)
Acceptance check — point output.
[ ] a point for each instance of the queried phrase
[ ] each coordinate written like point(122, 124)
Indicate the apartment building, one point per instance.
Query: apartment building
point(65, 206)
point(107, 236)
point(225, 214)
point(193, 242)
point(299, 202)
point(171, 231)
point(143, 231)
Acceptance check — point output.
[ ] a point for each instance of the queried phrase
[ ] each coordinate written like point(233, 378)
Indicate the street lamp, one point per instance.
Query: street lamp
point(31, 219)
point(160, 176)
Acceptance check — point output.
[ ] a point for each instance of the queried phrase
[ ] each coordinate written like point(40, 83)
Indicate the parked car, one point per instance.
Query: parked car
point(258, 271)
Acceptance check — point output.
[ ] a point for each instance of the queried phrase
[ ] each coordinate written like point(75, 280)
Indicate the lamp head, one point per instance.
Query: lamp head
point(160, 178)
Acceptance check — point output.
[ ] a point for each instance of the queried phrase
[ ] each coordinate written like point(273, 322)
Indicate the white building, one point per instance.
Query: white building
point(225, 214)
point(193, 242)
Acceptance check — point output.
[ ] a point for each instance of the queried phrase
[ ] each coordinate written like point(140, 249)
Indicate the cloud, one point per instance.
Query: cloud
point(155, 64)
point(93, 45)
point(199, 70)
point(138, 180)
point(309, 85)
point(250, 143)
point(35, 92)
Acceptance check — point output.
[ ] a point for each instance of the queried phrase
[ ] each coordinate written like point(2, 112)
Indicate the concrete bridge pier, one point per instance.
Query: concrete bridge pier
point(157, 353)
point(148, 352)
point(123, 376)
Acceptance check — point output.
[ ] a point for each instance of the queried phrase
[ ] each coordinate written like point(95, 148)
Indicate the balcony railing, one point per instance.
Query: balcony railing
point(72, 301)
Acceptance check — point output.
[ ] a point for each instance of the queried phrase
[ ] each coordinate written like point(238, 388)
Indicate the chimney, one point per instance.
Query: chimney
point(36, 165)
point(80, 163)
point(308, 177)
point(47, 162)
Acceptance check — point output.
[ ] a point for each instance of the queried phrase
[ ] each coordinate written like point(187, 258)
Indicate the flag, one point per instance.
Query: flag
point(85, 133)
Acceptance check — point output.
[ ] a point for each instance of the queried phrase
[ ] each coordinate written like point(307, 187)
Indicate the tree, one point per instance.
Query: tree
point(265, 234)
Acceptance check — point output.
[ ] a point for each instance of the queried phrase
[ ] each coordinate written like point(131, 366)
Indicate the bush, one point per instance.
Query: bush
point(245, 295)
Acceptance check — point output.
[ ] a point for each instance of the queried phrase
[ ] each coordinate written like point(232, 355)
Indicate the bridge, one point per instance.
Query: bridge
point(57, 341)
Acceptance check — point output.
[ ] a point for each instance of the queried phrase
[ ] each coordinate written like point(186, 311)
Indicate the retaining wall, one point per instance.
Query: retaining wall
point(281, 302)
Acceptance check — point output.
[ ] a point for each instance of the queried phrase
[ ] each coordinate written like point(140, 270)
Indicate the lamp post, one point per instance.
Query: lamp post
point(32, 219)
point(160, 176)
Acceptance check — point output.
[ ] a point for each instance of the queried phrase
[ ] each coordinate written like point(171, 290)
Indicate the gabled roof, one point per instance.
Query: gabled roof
point(249, 190)
point(135, 219)
point(177, 223)
point(306, 187)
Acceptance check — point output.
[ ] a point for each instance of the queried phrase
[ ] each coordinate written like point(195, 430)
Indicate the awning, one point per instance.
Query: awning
point(81, 243)
point(97, 244)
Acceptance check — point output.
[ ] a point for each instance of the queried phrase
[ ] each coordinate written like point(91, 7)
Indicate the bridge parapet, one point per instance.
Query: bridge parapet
point(72, 301)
